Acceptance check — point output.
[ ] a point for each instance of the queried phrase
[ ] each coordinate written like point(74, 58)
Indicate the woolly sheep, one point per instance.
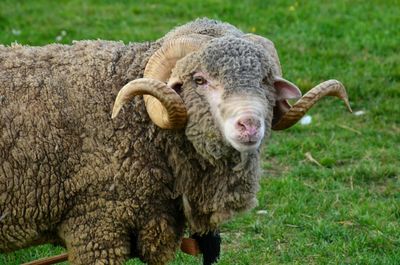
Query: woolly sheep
point(186, 154)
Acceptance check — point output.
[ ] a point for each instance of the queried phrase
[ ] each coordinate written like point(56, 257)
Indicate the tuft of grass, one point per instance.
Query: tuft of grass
point(345, 209)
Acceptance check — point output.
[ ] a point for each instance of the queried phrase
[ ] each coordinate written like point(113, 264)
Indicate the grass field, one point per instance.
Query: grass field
point(345, 209)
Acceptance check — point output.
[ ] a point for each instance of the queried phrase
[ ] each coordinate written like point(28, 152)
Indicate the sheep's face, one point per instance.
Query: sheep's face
point(227, 88)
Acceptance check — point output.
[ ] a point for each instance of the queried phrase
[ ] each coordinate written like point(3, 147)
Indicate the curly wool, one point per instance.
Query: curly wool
point(68, 173)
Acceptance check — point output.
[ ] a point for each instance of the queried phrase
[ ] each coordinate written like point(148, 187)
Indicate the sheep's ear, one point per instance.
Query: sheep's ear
point(284, 90)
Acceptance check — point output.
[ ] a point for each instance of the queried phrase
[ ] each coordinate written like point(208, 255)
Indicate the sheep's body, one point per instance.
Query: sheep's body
point(70, 174)
point(66, 169)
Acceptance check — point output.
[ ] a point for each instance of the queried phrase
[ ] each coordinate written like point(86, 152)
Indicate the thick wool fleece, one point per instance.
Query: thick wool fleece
point(109, 188)
point(70, 174)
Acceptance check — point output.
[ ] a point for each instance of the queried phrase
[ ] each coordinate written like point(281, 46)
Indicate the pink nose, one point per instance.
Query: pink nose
point(248, 126)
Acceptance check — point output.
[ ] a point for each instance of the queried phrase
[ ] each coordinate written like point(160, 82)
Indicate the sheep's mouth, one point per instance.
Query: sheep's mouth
point(244, 146)
point(249, 143)
point(248, 140)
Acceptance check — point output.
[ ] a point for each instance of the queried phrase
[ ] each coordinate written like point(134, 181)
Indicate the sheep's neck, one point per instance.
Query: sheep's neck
point(213, 193)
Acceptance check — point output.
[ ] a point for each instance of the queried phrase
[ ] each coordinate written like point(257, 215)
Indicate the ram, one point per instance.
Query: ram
point(185, 155)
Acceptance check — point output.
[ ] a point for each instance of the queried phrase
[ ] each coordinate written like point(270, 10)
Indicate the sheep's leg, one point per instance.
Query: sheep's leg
point(158, 240)
point(92, 242)
point(210, 246)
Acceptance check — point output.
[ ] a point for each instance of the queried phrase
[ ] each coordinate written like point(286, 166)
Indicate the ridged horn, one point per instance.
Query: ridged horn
point(159, 68)
point(175, 112)
point(299, 109)
point(164, 59)
point(164, 106)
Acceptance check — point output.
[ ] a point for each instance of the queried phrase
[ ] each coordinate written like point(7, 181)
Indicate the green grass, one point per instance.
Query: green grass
point(345, 210)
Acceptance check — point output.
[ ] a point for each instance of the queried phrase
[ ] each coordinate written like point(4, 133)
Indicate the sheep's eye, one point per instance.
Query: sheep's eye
point(265, 80)
point(199, 80)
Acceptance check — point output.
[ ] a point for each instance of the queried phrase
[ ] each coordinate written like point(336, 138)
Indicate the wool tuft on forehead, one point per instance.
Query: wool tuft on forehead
point(234, 59)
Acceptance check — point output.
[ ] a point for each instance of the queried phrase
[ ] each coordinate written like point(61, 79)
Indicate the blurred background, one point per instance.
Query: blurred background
point(331, 184)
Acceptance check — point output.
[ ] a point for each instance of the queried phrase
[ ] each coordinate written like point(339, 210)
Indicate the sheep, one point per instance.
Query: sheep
point(185, 155)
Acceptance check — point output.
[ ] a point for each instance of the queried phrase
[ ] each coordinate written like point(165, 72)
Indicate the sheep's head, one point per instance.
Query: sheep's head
point(225, 90)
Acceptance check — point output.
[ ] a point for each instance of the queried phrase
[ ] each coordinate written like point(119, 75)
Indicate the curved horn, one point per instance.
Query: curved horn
point(165, 111)
point(174, 115)
point(160, 66)
point(297, 111)
point(164, 59)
